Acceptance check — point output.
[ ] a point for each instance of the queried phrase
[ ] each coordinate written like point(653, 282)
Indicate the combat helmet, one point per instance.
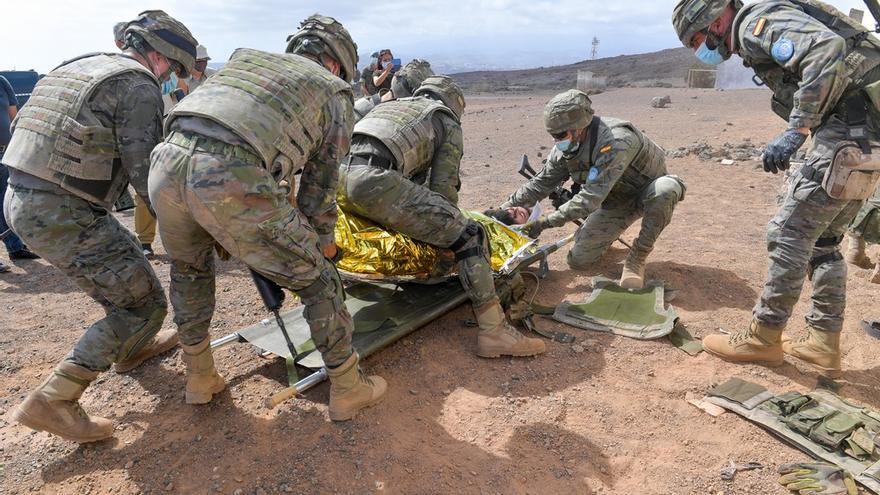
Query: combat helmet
point(167, 36)
point(410, 77)
point(572, 109)
point(444, 88)
point(692, 16)
point(319, 33)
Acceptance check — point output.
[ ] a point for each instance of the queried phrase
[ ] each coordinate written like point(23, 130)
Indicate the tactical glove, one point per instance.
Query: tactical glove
point(817, 479)
point(777, 155)
point(534, 228)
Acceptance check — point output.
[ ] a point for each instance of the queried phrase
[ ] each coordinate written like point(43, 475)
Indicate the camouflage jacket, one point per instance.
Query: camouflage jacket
point(612, 175)
point(805, 63)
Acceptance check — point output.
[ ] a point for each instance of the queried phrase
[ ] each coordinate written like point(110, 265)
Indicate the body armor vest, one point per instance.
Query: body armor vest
point(648, 165)
point(57, 137)
point(862, 60)
point(404, 126)
point(274, 102)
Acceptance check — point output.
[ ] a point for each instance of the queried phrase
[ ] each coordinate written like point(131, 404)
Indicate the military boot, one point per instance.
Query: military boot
point(162, 342)
point(351, 390)
point(760, 343)
point(202, 379)
point(497, 338)
point(875, 277)
point(54, 407)
point(633, 276)
point(855, 254)
point(819, 348)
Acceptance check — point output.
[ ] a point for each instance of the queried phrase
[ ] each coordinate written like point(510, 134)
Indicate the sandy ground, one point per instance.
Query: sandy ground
point(611, 419)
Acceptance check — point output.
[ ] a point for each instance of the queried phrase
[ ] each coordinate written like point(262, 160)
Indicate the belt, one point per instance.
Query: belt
point(203, 144)
point(371, 160)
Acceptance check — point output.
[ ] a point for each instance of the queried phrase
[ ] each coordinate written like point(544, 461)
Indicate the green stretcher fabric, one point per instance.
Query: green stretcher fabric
point(638, 314)
point(382, 314)
point(820, 423)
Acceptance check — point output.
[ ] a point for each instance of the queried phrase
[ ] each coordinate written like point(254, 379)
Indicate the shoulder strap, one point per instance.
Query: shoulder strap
point(594, 134)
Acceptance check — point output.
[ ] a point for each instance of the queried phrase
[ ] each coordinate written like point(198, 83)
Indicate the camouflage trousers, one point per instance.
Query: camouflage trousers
point(391, 200)
point(866, 224)
point(654, 206)
point(207, 192)
point(804, 239)
point(91, 247)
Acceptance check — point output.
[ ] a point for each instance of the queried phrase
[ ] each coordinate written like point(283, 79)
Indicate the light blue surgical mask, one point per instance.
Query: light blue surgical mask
point(707, 56)
point(568, 146)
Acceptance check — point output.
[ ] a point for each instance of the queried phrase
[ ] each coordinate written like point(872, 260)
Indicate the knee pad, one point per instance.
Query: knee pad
point(670, 186)
point(473, 242)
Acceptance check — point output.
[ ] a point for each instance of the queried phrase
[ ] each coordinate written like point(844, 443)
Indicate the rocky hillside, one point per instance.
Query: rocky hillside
point(666, 68)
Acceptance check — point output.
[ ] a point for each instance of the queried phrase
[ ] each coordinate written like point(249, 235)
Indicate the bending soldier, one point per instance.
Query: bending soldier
point(622, 177)
point(215, 181)
point(817, 61)
point(403, 173)
point(87, 132)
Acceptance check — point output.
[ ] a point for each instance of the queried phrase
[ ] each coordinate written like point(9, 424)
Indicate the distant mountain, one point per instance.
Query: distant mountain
point(663, 68)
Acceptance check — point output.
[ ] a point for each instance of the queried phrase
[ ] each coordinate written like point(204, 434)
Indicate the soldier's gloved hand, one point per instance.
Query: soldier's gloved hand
point(816, 479)
point(534, 228)
point(778, 154)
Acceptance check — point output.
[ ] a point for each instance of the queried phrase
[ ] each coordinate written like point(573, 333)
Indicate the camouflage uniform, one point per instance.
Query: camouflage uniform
point(61, 192)
point(866, 224)
point(812, 71)
point(215, 181)
point(623, 178)
point(415, 195)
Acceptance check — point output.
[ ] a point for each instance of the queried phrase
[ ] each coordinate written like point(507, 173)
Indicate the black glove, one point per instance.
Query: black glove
point(778, 154)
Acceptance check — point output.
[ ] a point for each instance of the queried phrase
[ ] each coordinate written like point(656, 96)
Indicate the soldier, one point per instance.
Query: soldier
point(86, 132)
point(817, 61)
point(864, 230)
point(403, 173)
point(622, 177)
point(403, 84)
point(215, 181)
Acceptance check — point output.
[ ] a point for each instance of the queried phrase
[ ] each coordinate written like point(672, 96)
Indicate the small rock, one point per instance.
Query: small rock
point(727, 162)
point(238, 491)
point(577, 349)
point(259, 491)
point(169, 487)
point(129, 464)
point(414, 392)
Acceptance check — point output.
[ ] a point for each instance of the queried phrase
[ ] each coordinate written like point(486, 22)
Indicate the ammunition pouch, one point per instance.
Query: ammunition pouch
point(853, 173)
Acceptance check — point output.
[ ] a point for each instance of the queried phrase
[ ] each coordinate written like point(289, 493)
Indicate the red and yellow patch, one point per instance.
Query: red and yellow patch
point(759, 28)
point(605, 149)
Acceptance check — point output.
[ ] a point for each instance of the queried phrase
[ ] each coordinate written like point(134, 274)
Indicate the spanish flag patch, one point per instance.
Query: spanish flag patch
point(605, 149)
point(759, 28)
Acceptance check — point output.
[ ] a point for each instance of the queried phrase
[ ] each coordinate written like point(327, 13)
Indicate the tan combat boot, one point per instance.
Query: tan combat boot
point(633, 276)
point(162, 342)
point(54, 407)
point(819, 348)
point(760, 343)
point(351, 390)
point(497, 338)
point(202, 379)
point(875, 277)
point(855, 254)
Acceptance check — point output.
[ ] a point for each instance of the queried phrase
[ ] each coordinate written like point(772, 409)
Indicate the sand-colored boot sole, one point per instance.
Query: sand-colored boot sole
point(719, 346)
point(823, 362)
point(380, 386)
point(490, 351)
point(203, 393)
point(105, 431)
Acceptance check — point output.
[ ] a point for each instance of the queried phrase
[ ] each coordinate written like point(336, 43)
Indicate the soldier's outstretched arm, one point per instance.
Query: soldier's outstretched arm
point(542, 184)
point(610, 161)
point(802, 45)
point(445, 179)
point(138, 128)
point(316, 197)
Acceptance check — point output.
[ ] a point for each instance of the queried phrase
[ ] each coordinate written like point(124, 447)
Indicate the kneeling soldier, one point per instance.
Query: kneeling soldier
point(403, 174)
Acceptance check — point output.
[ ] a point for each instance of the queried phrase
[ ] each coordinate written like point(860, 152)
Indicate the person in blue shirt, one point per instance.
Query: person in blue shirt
point(8, 109)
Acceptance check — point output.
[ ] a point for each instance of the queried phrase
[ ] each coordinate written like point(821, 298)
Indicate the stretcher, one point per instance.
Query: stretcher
point(384, 310)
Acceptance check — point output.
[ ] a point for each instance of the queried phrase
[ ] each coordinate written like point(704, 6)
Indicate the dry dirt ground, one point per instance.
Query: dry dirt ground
point(611, 419)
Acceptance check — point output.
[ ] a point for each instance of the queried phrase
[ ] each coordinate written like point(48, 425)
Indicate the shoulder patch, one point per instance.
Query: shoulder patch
point(606, 148)
point(782, 50)
point(593, 175)
point(759, 28)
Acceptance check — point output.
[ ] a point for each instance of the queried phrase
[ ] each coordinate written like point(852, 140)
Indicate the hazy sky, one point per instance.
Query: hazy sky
point(513, 33)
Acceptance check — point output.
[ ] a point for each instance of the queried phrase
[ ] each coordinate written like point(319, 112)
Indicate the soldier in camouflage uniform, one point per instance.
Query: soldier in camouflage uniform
point(622, 175)
point(87, 132)
point(402, 173)
point(817, 61)
point(864, 230)
point(215, 181)
point(404, 83)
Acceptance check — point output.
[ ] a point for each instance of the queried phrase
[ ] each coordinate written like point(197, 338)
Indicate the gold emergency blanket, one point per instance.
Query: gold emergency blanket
point(372, 252)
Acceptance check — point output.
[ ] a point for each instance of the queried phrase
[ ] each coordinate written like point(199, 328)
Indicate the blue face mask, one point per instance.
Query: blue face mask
point(567, 146)
point(707, 56)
